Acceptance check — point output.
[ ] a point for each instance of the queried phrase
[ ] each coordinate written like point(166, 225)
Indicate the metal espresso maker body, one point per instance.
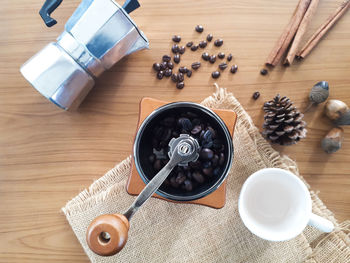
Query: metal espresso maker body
point(97, 35)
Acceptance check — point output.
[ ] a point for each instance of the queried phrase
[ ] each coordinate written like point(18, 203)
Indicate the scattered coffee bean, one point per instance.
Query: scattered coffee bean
point(180, 85)
point(196, 65)
point(168, 72)
point(212, 59)
point(229, 57)
point(174, 77)
point(188, 185)
point(160, 74)
point(197, 129)
point(189, 73)
point(218, 42)
point(170, 65)
point(199, 28)
point(223, 66)
point(202, 44)
point(205, 56)
point(176, 38)
point(194, 47)
point(175, 48)
point(177, 59)
point(156, 66)
point(209, 37)
point(221, 55)
point(263, 72)
point(189, 44)
point(256, 95)
point(234, 69)
point(163, 65)
point(183, 70)
point(166, 58)
point(182, 50)
point(180, 77)
point(215, 74)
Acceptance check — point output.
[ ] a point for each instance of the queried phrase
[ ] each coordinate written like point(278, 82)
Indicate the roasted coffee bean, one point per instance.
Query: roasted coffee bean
point(156, 66)
point(199, 28)
point(202, 44)
point(173, 182)
point(197, 176)
point(174, 77)
point(215, 160)
point(152, 158)
point(208, 171)
point(256, 95)
point(195, 165)
point(234, 69)
point(221, 55)
point(175, 48)
point(207, 144)
point(197, 129)
point(206, 164)
point(207, 136)
point(222, 66)
point(157, 165)
point(182, 50)
point(221, 159)
point(189, 44)
point(189, 73)
point(196, 65)
point(176, 38)
point(217, 171)
point(264, 71)
point(160, 74)
point(229, 57)
point(180, 178)
point(177, 58)
point(205, 56)
point(168, 72)
point(170, 65)
point(180, 77)
point(206, 154)
point(194, 47)
point(212, 59)
point(183, 70)
point(163, 65)
point(218, 42)
point(213, 132)
point(215, 74)
point(188, 185)
point(169, 122)
point(180, 85)
point(166, 58)
point(209, 37)
point(185, 124)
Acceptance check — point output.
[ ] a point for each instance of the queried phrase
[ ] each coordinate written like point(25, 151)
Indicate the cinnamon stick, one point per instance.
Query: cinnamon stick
point(288, 34)
point(301, 31)
point(323, 29)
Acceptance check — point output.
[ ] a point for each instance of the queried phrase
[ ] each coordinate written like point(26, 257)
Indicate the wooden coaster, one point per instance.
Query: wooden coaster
point(135, 184)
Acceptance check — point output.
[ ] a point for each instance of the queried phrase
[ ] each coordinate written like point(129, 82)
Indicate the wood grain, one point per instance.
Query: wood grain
point(47, 155)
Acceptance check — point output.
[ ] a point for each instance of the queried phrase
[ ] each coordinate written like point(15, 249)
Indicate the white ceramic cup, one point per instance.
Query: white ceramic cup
point(275, 205)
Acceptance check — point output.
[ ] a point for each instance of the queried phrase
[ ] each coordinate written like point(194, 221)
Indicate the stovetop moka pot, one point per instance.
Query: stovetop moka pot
point(97, 35)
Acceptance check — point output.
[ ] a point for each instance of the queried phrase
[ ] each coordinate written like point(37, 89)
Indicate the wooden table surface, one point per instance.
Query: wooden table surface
point(47, 156)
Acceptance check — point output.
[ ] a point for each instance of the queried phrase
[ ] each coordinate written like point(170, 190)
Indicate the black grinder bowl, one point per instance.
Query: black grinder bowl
point(143, 148)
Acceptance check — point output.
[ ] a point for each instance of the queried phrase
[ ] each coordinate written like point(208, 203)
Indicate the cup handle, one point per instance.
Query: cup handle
point(321, 223)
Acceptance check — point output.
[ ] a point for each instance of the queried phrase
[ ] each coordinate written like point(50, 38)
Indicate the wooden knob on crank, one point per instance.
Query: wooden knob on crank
point(107, 234)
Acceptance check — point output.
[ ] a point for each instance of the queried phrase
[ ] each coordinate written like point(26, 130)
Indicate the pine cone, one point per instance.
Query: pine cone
point(283, 124)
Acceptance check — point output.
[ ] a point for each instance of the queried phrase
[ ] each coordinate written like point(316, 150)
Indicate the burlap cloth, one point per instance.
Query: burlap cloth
point(166, 232)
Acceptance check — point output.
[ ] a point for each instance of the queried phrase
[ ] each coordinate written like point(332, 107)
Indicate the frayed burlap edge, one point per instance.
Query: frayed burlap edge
point(339, 240)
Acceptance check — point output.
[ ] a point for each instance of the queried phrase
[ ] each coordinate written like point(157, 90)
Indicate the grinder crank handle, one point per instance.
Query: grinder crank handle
point(107, 234)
